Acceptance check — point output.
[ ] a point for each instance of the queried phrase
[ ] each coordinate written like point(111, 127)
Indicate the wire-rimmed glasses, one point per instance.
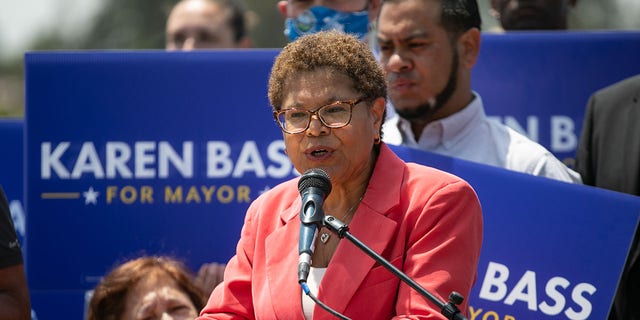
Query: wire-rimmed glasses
point(334, 115)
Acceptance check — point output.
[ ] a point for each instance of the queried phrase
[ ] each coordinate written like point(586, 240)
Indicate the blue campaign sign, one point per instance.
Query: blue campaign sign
point(11, 177)
point(540, 82)
point(11, 172)
point(142, 152)
point(551, 250)
point(132, 152)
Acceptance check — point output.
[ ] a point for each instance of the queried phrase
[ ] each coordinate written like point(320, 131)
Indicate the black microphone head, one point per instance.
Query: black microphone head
point(317, 178)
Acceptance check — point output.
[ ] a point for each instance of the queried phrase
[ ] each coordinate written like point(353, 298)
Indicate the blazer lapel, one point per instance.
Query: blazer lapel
point(350, 265)
point(632, 145)
point(282, 260)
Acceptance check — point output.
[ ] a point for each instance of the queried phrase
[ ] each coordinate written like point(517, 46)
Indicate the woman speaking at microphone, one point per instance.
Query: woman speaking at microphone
point(328, 95)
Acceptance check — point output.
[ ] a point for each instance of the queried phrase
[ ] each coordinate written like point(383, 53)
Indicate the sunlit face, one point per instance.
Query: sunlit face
point(344, 153)
point(418, 58)
point(199, 24)
point(158, 297)
point(295, 7)
point(532, 14)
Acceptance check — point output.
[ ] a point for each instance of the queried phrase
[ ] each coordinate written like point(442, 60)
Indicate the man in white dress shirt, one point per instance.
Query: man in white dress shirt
point(428, 49)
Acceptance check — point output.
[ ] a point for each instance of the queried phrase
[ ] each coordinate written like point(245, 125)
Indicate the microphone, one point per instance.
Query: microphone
point(314, 187)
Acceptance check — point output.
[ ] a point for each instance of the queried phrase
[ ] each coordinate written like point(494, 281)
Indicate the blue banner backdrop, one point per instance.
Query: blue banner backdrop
point(161, 152)
point(539, 82)
point(549, 249)
point(11, 172)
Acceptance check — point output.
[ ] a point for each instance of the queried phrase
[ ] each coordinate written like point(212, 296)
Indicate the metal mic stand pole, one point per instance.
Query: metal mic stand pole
point(449, 309)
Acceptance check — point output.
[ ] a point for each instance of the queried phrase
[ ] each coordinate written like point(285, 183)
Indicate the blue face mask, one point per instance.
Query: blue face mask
point(323, 19)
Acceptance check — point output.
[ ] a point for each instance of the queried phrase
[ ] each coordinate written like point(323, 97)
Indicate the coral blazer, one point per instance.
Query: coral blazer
point(426, 222)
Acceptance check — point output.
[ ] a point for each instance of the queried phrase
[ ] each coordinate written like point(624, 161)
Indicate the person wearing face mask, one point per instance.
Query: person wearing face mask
point(356, 17)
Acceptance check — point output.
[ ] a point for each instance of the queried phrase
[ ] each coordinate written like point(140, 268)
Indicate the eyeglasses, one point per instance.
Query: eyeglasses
point(333, 115)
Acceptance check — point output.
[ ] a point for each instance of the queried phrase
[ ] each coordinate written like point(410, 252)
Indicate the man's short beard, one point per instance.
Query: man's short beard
point(425, 110)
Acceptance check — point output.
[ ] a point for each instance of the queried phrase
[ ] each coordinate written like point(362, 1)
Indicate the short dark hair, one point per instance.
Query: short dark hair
point(341, 52)
point(456, 16)
point(237, 17)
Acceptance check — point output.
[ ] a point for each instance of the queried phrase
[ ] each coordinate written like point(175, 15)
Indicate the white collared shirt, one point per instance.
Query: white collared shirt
point(469, 134)
point(313, 282)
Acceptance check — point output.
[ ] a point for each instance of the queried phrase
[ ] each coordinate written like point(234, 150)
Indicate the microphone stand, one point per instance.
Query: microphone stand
point(449, 309)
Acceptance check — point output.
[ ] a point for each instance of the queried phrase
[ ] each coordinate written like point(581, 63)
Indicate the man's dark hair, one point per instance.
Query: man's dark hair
point(237, 19)
point(458, 16)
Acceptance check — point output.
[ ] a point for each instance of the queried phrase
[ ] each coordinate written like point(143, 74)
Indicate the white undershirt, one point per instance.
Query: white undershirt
point(313, 282)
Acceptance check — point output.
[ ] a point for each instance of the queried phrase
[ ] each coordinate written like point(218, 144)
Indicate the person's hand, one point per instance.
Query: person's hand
point(209, 276)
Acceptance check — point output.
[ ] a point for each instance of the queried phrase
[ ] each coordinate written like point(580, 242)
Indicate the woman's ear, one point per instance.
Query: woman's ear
point(378, 108)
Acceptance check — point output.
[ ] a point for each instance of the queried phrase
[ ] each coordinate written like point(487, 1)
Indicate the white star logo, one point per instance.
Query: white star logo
point(90, 196)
